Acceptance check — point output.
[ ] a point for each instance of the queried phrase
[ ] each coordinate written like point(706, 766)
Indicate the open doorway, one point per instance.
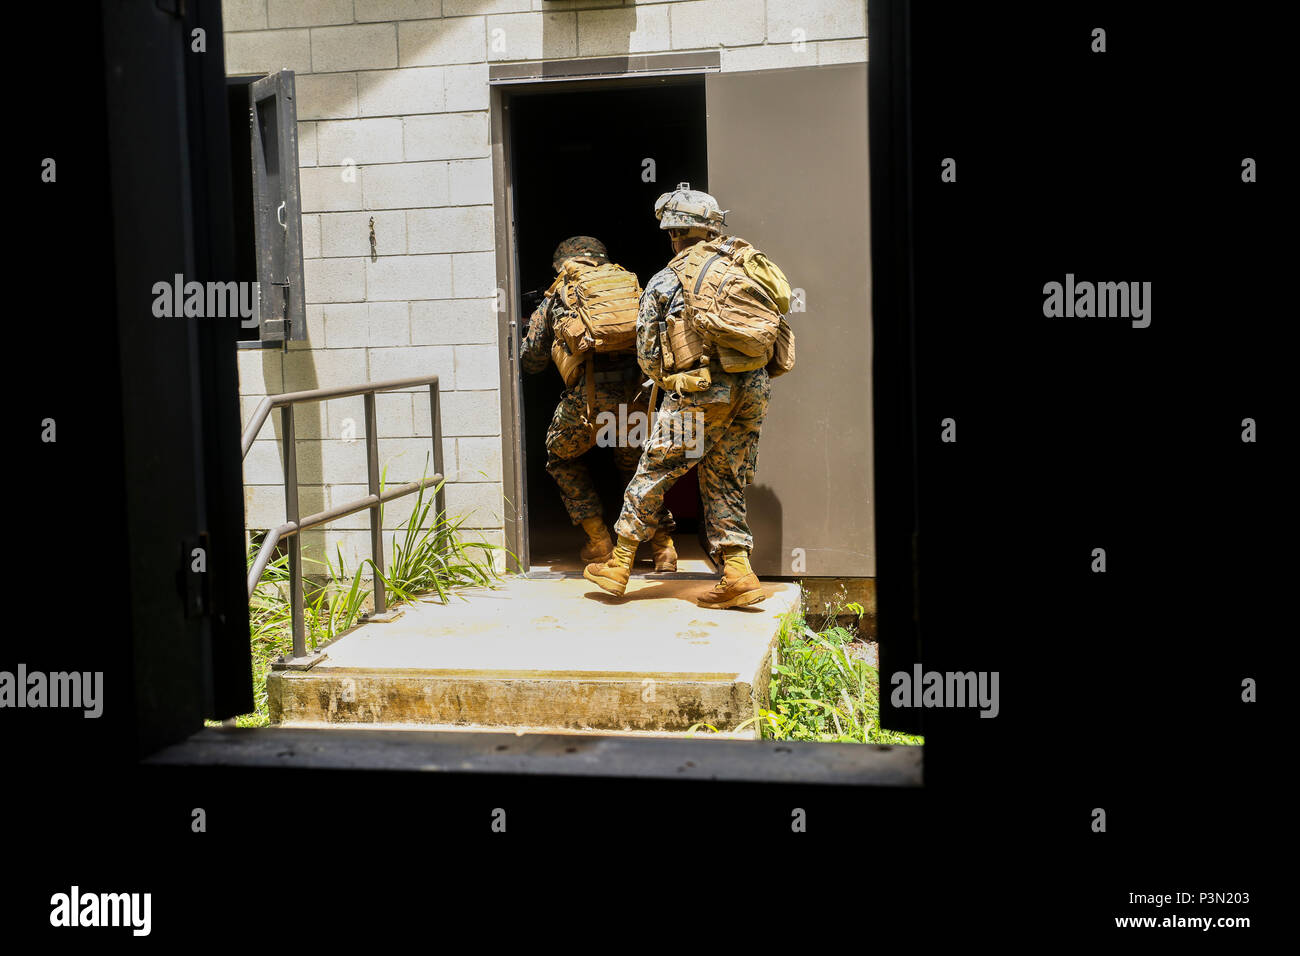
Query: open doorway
point(591, 160)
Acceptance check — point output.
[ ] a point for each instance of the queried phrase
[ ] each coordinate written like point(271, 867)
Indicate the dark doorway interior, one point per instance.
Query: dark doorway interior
point(579, 168)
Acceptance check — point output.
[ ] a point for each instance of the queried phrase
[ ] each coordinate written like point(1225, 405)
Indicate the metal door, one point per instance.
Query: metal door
point(788, 158)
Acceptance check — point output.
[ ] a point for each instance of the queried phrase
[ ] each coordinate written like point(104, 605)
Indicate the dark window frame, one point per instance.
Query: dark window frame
point(168, 725)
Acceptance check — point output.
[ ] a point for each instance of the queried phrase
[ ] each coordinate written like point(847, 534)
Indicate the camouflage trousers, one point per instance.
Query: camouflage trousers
point(570, 436)
point(722, 438)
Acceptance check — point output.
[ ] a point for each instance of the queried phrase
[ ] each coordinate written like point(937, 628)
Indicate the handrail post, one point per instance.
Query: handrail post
point(435, 420)
point(295, 541)
point(376, 529)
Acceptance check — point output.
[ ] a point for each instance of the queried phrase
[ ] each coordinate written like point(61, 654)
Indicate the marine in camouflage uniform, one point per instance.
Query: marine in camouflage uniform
point(571, 434)
point(731, 411)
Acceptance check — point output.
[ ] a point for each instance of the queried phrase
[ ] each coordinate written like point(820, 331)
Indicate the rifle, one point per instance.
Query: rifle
point(532, 299)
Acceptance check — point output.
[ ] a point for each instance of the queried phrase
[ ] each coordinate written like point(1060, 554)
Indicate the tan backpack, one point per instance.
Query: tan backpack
point(734, 298)
point(602, 299)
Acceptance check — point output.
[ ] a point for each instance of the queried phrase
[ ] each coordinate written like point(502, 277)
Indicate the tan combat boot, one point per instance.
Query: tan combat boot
point(598, 544)
point(739, 585)
point(612, 575)
point(665, 554)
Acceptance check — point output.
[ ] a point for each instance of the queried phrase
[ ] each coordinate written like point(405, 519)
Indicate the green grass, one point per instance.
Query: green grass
point(818, 691)
point(429, 561)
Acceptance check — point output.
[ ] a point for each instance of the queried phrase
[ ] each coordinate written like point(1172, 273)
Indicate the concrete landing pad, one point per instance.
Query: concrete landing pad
point(548, 654)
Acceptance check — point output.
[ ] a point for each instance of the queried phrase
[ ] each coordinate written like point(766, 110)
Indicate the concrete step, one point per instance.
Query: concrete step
point(548, 654)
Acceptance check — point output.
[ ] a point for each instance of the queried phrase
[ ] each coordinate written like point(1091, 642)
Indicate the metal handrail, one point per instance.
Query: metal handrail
point(371, 501)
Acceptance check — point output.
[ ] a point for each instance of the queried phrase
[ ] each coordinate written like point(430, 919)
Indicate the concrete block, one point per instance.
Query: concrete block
point(338, 494)
point(407, 459)
point(306, 144)
point(446, 136)
point(397, 513)
point(261, 372)
point(435, 42)
point(454, 322)
point(401, 92)
point(463, 413)
point(466, 87)
point(332, 462)
point(408, 277)
point(345, 325)
point(467, 8)
point(247, 408)
point(405, 186)
point(307, 13)
point(324, 189)
point(388, 10)
point(473, 275)
point(268, 52)
point(324, 368)
point(308, 420)
point(479, 458)
point(819, 19)
point(389, 324)
point(477, 367)
point(480, 503)
point(393, 410)
point(412, 361)
point(263, 506)
point(354, 545)
point(239, 15)
point(449, 229)
point(363, 142)
point(842, 51)
point(334, 280)
point(326, 96)
point(315, 330)
point(311, 236)
point(470, 183)
point(772, 57)
point(346, 418)
point(262, 465)
point(371, 46)
point(623, 30)
point(556, 5)
point(532, 36)
point(701, 24)
point(348, 233)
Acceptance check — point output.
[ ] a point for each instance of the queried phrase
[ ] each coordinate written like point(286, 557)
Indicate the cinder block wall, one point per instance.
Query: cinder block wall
point(393, 124)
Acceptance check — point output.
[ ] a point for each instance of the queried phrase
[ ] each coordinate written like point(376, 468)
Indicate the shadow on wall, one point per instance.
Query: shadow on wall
point(611, 33)
point(764, 512)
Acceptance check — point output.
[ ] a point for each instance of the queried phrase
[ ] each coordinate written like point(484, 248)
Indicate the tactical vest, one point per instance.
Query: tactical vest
point(734, 299)
point(601, 302)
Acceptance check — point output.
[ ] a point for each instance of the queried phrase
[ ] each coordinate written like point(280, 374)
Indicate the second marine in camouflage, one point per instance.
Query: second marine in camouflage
point(572, 432)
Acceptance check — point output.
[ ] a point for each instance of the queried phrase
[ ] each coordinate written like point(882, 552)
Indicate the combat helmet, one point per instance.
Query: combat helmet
point(579, 246)
point(687, 208)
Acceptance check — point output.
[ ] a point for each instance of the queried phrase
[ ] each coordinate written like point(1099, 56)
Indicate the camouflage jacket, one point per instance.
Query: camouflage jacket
point(662, 297)
point(535, 350)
